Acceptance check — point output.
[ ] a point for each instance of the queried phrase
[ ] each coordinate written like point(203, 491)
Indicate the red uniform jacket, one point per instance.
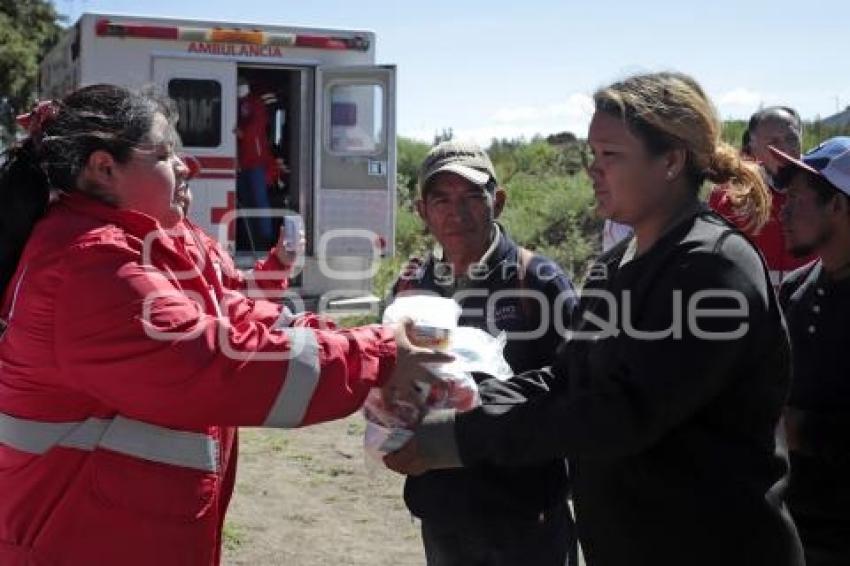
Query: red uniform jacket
point(253, 150)
point(268, 279)
point(125, 365)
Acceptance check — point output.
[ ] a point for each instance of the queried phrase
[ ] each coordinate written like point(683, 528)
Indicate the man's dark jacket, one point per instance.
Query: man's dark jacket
point(492, 492)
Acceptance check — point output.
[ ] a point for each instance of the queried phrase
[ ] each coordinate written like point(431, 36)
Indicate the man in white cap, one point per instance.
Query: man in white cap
point(816, 300)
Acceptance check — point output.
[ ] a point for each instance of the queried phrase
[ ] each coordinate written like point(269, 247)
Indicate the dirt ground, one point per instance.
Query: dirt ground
point(306, 497)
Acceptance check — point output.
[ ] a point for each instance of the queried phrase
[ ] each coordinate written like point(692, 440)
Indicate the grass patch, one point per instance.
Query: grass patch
point(356, 429)
point(233, 536)
point(356, 320)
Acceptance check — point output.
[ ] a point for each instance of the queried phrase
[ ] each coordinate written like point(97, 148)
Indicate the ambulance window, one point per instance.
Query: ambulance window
point(356, 118)
point(199, 107)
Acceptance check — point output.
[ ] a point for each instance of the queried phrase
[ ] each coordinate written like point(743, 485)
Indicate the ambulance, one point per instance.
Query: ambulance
point(330, 130)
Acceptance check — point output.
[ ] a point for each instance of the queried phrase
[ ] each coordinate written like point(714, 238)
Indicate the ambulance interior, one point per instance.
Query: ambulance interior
point(272, 126)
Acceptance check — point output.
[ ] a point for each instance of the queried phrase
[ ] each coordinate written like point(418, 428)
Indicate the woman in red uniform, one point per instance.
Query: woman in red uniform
point(125, 362)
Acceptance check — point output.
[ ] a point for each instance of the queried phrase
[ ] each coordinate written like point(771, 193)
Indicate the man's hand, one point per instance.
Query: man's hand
point(407, 460)
point(401, 387)
point(410, 368)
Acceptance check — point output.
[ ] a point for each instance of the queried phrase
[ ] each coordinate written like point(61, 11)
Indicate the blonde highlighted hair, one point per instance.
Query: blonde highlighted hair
point(669, 111)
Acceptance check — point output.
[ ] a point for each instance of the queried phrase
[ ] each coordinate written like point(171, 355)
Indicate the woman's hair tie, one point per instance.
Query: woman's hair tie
point(36, 119)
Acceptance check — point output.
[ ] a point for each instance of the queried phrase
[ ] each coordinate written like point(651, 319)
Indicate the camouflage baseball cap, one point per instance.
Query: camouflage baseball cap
point(461, 158)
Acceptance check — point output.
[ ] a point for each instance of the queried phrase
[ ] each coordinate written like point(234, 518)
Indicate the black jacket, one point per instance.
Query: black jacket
point(818, 314)
point(671, 440)
point(476, 496)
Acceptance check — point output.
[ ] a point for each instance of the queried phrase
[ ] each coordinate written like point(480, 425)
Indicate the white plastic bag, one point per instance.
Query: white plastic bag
point(389, 427)
point(434, 318)
point(477, 351)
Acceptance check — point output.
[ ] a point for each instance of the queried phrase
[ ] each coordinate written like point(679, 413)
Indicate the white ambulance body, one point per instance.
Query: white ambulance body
point(331, 121)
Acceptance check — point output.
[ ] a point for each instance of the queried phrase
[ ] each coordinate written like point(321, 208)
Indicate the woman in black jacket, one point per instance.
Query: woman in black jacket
point(667, 394)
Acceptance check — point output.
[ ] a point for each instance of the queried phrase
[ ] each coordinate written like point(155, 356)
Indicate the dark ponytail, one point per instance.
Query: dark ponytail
point(24, 195)
point(93, 118)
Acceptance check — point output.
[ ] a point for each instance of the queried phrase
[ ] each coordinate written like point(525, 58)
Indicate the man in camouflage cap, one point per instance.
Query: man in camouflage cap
point(489, 514)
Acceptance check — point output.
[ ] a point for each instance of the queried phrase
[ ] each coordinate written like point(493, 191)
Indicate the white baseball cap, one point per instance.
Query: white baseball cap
point(830, 160)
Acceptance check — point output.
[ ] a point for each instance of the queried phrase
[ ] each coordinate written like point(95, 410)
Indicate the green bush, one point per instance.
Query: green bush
point(553, 215)
point(410, 154)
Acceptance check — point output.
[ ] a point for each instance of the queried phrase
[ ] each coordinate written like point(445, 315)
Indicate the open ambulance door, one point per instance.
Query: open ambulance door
point(356, 165)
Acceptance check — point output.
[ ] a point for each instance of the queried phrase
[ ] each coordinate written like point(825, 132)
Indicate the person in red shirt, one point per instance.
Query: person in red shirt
point(127, 360)
point(255, 161)
point(781, 127)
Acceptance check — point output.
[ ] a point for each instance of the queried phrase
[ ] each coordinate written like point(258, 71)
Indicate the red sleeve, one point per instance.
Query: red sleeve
point(270, 274)
point(131, 339)
point(269, 278)
point(313, 320)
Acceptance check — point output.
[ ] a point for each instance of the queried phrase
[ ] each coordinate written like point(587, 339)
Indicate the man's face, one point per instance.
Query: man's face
point(457, 212)
point(806, 220)
point(779, 133)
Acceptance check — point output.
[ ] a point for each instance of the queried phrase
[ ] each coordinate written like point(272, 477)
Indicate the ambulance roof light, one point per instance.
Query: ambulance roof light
point(108, 28)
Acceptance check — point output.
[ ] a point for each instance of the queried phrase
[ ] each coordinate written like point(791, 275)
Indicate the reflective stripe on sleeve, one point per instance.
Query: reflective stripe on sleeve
point(302, 378)
point(126, 436)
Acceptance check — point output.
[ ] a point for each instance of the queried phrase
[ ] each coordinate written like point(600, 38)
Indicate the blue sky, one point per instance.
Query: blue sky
point(507, 69)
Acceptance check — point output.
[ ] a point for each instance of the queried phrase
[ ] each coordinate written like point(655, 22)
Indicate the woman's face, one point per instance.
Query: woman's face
point(153, 181)
point(628, 182)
